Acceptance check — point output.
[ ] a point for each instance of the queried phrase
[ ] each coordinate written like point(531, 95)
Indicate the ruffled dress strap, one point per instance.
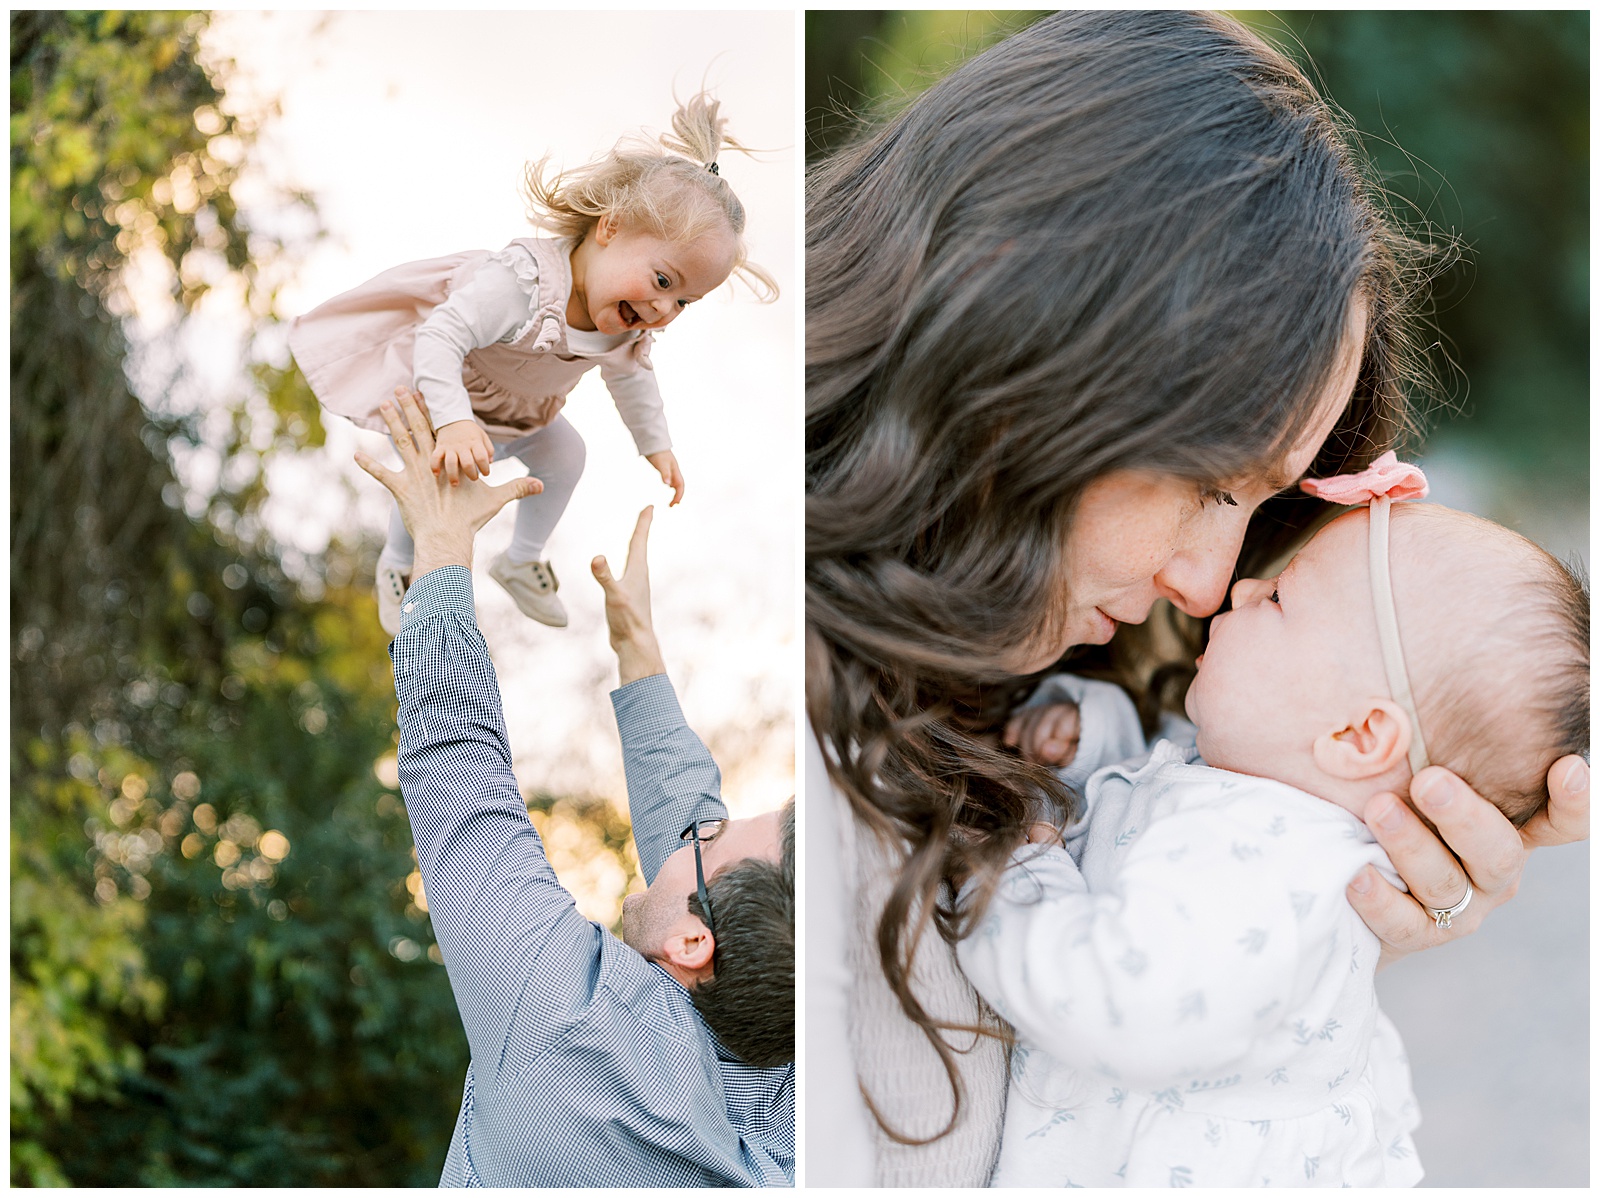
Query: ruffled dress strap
point(544, 271)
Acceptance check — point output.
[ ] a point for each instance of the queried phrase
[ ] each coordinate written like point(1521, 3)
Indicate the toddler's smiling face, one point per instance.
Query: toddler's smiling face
point(625, 278)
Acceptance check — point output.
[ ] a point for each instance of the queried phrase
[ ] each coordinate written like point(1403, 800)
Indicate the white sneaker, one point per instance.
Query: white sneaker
point(391, 585)
point(533, 586)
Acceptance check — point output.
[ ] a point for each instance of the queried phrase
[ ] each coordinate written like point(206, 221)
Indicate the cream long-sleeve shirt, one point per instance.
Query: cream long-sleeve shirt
point(858, 1039)
point(495, 304)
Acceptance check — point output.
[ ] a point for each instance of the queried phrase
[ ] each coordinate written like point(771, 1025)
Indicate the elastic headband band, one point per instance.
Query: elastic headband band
point(1378, 486)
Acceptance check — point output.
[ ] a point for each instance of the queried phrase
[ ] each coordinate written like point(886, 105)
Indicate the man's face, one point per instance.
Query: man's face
point(662, 911)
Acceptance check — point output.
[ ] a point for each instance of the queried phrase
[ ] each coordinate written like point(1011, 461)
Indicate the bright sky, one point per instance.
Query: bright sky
point(411, 131)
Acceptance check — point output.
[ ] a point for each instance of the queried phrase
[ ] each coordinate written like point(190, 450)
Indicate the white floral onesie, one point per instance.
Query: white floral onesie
point(1193, 995)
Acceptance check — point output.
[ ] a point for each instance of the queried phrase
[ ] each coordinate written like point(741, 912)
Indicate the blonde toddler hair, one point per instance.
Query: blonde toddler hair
point(669, 186)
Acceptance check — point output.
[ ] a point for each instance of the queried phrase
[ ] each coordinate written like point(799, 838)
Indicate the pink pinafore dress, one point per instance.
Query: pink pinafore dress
point(356, 349)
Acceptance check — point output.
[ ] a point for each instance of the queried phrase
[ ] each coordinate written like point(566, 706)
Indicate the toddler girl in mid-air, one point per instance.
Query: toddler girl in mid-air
point(496, 341)
point(1191, 991)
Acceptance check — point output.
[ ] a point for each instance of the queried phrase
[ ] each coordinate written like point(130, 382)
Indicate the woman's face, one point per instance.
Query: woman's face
point(1137, 536)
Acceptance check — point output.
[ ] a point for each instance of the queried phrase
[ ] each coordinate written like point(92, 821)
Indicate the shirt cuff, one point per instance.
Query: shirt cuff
point(445, 591)
point(647, 707)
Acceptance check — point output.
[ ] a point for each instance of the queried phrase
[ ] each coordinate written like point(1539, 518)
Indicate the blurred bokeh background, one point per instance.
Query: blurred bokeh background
point(1477, 123)
point(222, 971)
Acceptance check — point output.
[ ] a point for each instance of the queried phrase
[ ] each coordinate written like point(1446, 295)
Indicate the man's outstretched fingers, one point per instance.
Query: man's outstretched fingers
point(422, 406)
point(628, 608)
point(442, 518)
point(416, 417)
point(638, 543)
point(499, 496)
point(398, 432)
point(519, 488)
point(382, 473)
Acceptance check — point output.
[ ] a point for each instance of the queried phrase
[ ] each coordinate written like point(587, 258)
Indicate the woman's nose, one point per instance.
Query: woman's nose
point(1196, 577)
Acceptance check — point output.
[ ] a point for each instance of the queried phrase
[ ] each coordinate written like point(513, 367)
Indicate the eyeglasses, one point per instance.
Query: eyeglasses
point(703, 830)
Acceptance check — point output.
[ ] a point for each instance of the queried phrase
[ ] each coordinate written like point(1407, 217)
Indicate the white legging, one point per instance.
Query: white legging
point(554, 455)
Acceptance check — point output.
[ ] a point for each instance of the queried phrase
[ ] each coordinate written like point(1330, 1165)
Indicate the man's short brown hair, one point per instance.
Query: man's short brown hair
point(748, 1001)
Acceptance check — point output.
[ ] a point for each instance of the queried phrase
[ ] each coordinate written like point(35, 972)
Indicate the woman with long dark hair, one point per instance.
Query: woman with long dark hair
point(1077, 320)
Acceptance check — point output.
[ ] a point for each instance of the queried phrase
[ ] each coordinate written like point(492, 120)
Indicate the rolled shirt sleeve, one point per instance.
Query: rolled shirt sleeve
point(672, 780)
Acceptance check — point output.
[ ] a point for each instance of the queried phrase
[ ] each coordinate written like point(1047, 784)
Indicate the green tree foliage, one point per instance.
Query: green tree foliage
point(1478, 123)
point(221, 969)
point(870, 60)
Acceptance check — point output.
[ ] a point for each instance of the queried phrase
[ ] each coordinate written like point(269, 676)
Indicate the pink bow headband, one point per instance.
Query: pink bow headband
point(1386, 480)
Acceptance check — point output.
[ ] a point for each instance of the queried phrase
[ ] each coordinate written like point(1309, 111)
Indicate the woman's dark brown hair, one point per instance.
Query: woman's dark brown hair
point(1117, 240)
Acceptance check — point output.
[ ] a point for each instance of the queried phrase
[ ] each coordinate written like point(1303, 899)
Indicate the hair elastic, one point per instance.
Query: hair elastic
point(1378, 486)
point(712, 167)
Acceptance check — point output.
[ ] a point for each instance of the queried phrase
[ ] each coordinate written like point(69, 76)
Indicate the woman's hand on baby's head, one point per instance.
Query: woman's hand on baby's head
point(1046, 734)
point(462, 448)
point(1475, 843)
point(1565, 819)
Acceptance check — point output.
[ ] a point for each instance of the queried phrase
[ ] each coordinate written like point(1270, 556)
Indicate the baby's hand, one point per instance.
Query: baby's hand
point(1046, 735)
point(1040, 832)
point(667, 466)
point(462, 448)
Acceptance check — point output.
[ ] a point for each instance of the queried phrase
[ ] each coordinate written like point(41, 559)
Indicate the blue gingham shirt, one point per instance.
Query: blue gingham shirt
point(590, 1066)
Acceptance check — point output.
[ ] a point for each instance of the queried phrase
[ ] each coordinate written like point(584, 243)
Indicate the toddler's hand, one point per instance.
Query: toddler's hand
point(1046, 735)
point(462, 448)
point(667, 466)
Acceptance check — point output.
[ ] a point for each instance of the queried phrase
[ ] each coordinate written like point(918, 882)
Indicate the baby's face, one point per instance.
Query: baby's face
point(1294, 658)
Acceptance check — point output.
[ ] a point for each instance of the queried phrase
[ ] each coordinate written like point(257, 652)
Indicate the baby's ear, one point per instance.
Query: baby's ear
point(1368, 748)
point(605, 229)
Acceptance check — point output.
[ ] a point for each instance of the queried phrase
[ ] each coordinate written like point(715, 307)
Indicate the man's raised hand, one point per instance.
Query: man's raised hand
point(442, 519)
point(633, 635)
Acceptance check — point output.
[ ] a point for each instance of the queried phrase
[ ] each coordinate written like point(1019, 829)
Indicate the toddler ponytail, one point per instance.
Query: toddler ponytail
point(700, 132)
point(671, 186)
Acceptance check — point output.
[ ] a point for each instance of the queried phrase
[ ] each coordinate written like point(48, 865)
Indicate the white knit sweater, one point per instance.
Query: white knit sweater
point(857, 1037)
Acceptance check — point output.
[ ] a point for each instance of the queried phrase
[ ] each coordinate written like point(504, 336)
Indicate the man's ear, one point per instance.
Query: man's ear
point(1374, 744)
point(689, 952)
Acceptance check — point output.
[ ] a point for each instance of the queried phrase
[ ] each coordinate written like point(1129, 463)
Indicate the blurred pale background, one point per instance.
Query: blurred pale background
point(1478, 123)
point(411, 130)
